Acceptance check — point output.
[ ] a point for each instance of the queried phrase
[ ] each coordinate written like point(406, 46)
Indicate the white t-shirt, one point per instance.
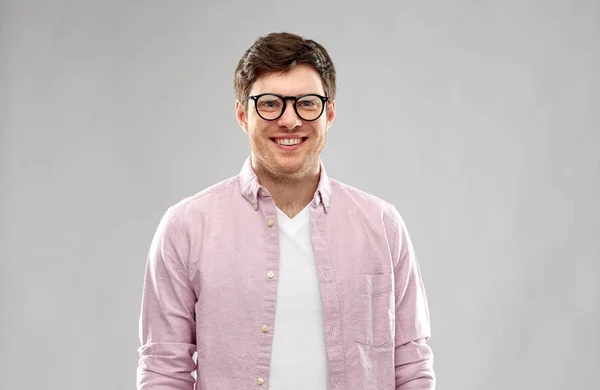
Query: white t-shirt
point(299, 358)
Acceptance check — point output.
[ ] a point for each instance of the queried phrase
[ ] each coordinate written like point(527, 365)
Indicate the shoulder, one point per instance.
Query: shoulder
point(371, 204)
point(198, 205)
point(372, 208)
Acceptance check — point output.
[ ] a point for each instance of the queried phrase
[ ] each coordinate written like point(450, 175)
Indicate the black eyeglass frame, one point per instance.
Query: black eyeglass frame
point(324, 100)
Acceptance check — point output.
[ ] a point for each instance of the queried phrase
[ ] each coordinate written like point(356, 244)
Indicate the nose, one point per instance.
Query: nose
point(289, 119)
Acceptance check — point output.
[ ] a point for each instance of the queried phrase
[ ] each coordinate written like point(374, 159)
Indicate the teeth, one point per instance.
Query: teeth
point(288, 141)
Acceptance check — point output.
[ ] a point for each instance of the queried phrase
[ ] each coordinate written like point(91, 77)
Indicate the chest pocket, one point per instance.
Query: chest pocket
point(373, 309)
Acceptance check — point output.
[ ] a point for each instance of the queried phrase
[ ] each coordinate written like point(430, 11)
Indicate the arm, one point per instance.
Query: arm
point(167, 323)
point(413, 357)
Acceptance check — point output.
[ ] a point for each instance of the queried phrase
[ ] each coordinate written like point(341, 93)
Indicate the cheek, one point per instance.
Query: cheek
point(321, 129)
point(259, 133)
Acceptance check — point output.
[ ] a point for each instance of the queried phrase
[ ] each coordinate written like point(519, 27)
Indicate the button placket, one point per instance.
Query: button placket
point(268, 214)
point(334, 344)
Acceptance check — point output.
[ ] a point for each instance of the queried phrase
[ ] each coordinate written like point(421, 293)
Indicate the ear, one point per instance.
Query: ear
point(330, 113)
point(240, 115)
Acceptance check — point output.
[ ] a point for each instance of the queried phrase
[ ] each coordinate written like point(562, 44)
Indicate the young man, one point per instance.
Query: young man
point(280, 277)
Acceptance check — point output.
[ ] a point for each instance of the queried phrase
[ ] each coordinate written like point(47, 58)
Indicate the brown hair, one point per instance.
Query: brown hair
point(279, 52)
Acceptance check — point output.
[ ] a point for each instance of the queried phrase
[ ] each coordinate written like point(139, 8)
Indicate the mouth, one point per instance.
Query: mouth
point(291, 143)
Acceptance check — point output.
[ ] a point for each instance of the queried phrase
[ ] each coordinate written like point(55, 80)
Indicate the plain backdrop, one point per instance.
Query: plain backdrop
point(479, 120)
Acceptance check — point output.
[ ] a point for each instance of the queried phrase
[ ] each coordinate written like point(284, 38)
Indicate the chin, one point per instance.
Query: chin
point(289, 165)
point(290, 168)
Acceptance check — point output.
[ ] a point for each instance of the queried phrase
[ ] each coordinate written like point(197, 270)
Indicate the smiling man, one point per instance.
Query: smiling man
point(281, 277)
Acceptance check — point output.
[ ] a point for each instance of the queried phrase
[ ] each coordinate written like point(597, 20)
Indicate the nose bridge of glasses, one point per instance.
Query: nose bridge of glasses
point(293, 100)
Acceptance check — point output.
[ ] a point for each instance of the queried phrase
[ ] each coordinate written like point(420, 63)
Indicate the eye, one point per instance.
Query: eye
point(268, 103)
point(309, 103)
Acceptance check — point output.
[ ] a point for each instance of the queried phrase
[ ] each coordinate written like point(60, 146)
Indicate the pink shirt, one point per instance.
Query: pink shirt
point(211, 285)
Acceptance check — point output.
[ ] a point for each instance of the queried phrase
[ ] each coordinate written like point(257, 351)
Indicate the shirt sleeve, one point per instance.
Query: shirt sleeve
point(167, 321)
point(413, 356)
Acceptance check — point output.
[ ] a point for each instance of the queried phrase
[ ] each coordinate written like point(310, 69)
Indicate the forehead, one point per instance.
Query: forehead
point(299, 80)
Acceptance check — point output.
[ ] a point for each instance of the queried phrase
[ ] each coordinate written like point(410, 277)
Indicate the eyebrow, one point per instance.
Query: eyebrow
point(281, 94)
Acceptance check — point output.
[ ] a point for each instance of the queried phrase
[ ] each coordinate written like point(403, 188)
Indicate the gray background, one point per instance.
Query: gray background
point(479, 120)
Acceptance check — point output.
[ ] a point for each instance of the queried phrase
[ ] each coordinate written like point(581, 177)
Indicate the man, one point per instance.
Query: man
point(281, 277)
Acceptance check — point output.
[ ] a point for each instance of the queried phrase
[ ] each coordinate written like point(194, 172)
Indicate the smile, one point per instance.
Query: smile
point(289, 144)
point(288, 141)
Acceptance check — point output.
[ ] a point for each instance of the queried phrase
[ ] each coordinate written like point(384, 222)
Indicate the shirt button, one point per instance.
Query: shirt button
point(265, 328)
point(326, 204)
point(270, 274)
point(260, 381)
point(270, 221)
point(253, 201)
point(263, 193)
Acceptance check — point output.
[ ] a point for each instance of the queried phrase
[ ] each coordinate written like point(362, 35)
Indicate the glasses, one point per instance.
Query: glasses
point(270, 107)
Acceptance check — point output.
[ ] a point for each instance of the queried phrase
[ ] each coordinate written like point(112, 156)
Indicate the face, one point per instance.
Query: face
point(284, 161)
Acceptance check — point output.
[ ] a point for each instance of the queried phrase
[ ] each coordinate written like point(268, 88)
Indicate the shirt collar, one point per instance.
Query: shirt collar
point(252, 190)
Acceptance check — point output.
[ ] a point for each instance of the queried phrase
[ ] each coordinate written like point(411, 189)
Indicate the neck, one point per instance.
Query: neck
point(291, 193)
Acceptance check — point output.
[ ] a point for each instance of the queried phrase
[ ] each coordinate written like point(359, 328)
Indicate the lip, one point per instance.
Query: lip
point(295, 135)
point(289, 147)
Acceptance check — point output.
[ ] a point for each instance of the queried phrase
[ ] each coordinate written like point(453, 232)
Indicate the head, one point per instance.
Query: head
point(287, 65)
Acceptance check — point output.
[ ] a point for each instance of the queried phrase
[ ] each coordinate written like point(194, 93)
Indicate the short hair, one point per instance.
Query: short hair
point(280, 52)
